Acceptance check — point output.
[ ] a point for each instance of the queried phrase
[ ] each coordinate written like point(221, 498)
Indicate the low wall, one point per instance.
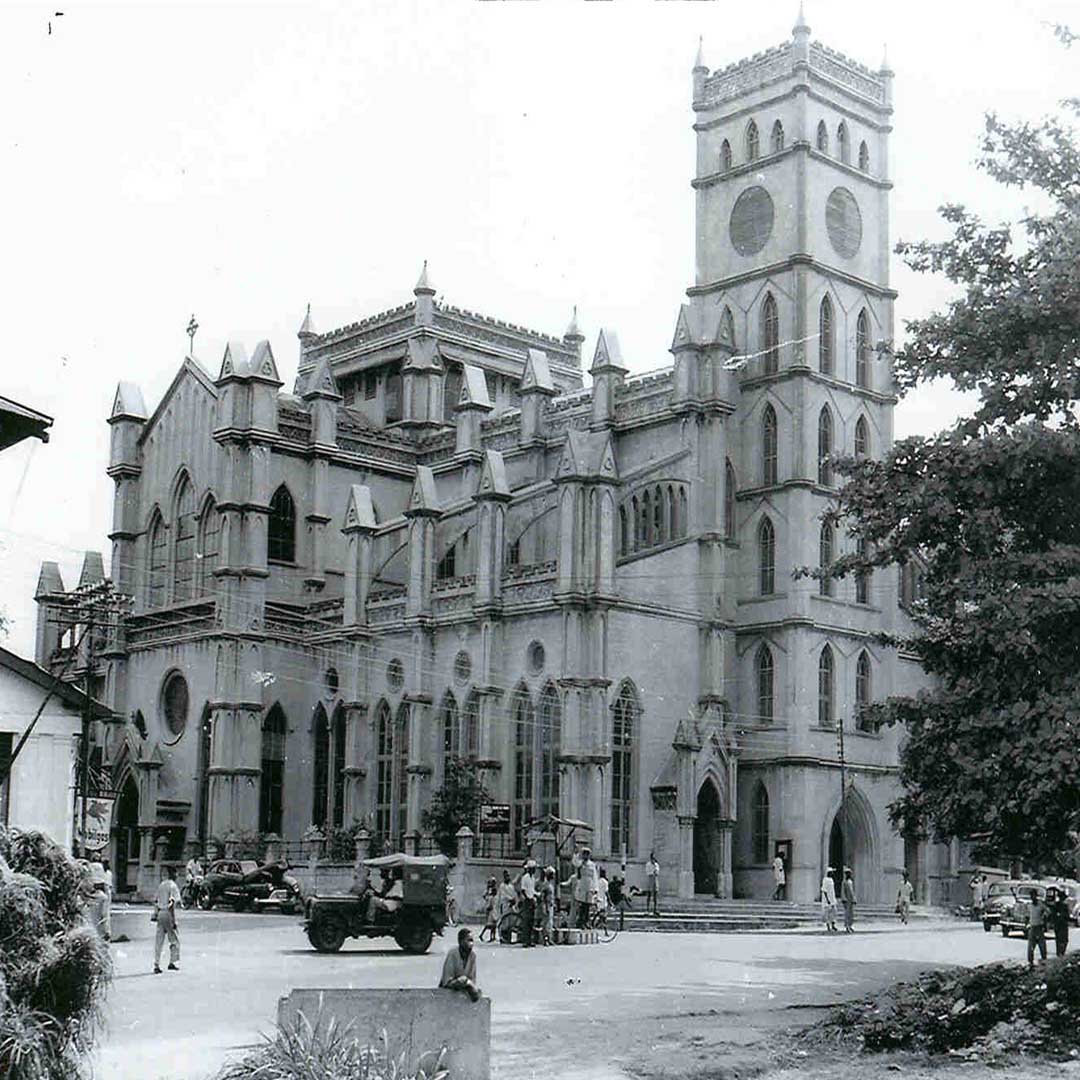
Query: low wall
point(417, 1023)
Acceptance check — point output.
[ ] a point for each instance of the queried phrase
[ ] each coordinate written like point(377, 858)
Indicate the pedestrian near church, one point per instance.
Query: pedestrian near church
point(459, 967)
point(847, 898)
point(547, 906)
point(527, 907)
point(1036, 934)
point(507, 902)
point(491, 905)
point(978, 892)
point(165, 904)
point(617, 896)
point(1057, 914)
point(828, 900)
point(652, 885)
point(585, 889)
point(779, 877)
point(903, 897)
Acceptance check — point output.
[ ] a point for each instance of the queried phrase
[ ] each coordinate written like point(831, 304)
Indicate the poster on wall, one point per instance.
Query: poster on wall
point(98, 818)
point(495, 819)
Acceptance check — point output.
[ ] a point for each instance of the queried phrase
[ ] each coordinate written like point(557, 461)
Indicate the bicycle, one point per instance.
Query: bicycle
point(598, 921)
point(508, 926)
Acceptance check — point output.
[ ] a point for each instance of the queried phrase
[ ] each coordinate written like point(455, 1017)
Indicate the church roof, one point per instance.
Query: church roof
point(18, 422)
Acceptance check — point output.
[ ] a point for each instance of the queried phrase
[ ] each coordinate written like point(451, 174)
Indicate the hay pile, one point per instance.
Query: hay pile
point(54, 968)
point(985, 1013)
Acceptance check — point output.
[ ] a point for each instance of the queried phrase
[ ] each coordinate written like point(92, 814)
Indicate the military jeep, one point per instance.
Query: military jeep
point(410, 908)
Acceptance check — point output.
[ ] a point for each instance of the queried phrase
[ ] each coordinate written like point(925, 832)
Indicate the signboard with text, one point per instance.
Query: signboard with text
point(98, 819)
point(495, 819)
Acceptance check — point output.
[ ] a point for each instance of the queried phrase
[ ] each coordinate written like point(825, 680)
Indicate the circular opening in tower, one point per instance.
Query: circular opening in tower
point(844, 222)
point(174, 703)
point(751, 221)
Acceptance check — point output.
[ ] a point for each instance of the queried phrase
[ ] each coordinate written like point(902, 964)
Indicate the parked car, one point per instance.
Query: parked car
point(245, 884)
point(410, 907)
point(999, 898)
point(1015, 918)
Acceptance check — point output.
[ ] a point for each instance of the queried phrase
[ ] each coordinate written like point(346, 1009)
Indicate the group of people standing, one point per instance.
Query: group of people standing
point(847, 900)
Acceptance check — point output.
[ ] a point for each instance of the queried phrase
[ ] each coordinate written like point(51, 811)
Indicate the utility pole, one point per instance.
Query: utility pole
point(843, 791)
point(89, 607)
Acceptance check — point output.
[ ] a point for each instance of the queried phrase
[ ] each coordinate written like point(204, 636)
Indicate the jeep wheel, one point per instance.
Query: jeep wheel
point(414, 938)
point(326, 935)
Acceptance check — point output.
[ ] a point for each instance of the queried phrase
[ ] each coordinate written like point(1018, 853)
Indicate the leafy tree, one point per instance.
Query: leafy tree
point(992, 506)
point(54, 968)
point(456, 803)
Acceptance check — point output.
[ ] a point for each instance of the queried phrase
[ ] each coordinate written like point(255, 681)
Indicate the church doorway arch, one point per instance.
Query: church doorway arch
point(851, 840)
point(707, 840)
point(126, 863)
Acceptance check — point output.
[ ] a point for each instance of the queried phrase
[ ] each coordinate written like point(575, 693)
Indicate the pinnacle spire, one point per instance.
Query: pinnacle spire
point(573, 332)
point(424, 285)
point(801, 26)
point(308, 325)
point(699, 61)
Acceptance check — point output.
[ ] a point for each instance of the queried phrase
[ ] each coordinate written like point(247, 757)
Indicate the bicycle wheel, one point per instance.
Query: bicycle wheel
point(606, 931)
point(508, 926)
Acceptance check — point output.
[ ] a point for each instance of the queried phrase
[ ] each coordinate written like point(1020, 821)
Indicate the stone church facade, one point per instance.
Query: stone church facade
point(440, 543)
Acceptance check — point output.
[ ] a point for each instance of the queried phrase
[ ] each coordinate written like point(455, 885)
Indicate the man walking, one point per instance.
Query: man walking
point(828, 900)
point(1036, 929)
point(847, 897)
point(459, 967)
point(903, 897)
point(1057, 914)
point(978, 888)
point(779, 878)
point(652, 885)
point(527, 910)
point(585, 889)
point(165, 905)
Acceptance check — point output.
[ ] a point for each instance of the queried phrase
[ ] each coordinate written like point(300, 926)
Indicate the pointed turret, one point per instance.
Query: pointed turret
point(321, 382)
point(49, 583)
point(360, 510)
point(700, 71)
point(573, 336)
point(886, 74)
point(801, 26)
point(423, 284)
point(608, 372)
point(358, 528)
point(93, 569)
point(800, 32)
point(263, 365)
point(536, 386)
point(235, 362)
point(423, 499)
point(322, 397)
point(472, 405)
point(307, 327)
point(493, 481)
point(424, 292)
point(699, 60)
point(128, 403)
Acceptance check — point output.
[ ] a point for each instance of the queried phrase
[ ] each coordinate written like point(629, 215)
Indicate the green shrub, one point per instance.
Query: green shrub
point(327, 1051)
point(54, 968)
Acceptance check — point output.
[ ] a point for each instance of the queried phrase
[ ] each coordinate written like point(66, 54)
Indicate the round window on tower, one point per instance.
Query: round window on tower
point(751, 221)
point(844, 222)
point(174, 703)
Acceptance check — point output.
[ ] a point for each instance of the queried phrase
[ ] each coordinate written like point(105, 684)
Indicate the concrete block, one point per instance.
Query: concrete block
point(417, 1022)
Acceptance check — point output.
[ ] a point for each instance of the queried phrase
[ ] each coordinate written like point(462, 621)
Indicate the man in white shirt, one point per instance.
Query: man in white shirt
point(527, 910)
point(652, 885)
point(828, 900)
point(165, 904)
point(779, 877)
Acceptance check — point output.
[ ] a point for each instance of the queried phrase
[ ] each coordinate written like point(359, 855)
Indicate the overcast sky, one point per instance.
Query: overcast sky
point(239, 161)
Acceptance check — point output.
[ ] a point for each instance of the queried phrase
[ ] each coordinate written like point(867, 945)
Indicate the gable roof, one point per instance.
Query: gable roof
point(360, 510)
point(588, 454)
point(18, 422)
point(65, 692)
point(128, 402)
point(537, 374)
point(474, 389)
point(191, 367)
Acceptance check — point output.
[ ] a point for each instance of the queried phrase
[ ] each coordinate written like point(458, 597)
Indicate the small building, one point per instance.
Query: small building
point(39, 793)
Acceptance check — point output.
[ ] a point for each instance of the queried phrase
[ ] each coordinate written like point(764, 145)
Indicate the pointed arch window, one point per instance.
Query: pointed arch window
point(384, 771)
point(777, 137)
point(766, 558)
point(864, 156)
point(472, 725)
point(647, 520)
point(725, 156)
point(157, 562)
point(843, 147)
point(451, 729)
point(862, 438)
point(764, 672)
point(753, 142)
point(826, 337)
point(393, 397)
point(729, 501)
point(523, 721)
point(635, 523)
point(770, 334)
point(624, 533)
point(281, 532)
point(826, 688)
point(550, 746)
point(339, 732)
point(822, 137)
point(625, 714)
point(209, 539)
point(320, 773)
point(183, 582)
point(672, 514)
point(659, 535)
point(824, 446)
point(825, 558)
point(728, 326)
point(684, 513)
point(401, 773)
point(451, 392)
point(272, 771)
point(862, 577)
point(769, 447)
point(862, 350)
point(759, 823)
point(862, 693)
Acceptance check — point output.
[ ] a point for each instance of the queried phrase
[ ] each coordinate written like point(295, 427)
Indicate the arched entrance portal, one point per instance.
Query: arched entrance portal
point(126, 864)
point(707, 840)
point(852, 841)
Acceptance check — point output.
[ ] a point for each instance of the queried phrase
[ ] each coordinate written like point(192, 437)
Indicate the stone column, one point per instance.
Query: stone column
point(686, 856)
point(492, 495)
point(359, 529)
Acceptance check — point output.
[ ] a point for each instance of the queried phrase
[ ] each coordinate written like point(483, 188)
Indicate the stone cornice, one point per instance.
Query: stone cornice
point(790, 263)
point(749, 168)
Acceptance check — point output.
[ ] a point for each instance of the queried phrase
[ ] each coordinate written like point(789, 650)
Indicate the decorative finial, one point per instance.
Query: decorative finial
point(192, 329)
point(885, 69)
point(572, 331)
point(801, 26)
point(699, 62)
point(424, 284)
point(307, 326)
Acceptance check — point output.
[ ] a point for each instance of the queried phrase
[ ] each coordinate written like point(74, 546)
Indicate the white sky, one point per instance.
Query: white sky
point(238, 161)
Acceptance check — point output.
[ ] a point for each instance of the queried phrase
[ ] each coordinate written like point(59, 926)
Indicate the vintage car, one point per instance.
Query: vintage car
point(1014, 918)
point(246, 884)
point(409, 905)
point(999, 899)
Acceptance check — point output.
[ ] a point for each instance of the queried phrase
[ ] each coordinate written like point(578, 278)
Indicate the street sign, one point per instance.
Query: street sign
point(495, 819)
point(98, 821)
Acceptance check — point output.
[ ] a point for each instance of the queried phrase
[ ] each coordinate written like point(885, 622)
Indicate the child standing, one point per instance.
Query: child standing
point(491, 900)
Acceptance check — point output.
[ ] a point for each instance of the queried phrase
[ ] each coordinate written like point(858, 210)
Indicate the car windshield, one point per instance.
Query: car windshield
point(248, 865)
point(1000, 889)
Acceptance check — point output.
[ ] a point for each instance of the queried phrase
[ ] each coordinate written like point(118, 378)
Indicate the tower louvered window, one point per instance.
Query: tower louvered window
point(825, 558)
point(769, 447)
point(753, 146)
point(770, 334)
point(725, 156)
point(862, 438)
point(862, 693)
point(766, 558)
point(822, 137)
point(824, 447)
point(842, 143)
point(862, 577)
point(763, 665)
point(281, 531)
point(184, 550)
point(864, 157)
point(157, 563)
point(729, 501)
point(826, 337)
point(826, 688)
point(862, 350)
point(777, 137)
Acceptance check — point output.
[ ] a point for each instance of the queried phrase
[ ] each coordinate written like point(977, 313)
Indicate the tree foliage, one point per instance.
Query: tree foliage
point(456, 803)
point(991, 507)
point(54, 968)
